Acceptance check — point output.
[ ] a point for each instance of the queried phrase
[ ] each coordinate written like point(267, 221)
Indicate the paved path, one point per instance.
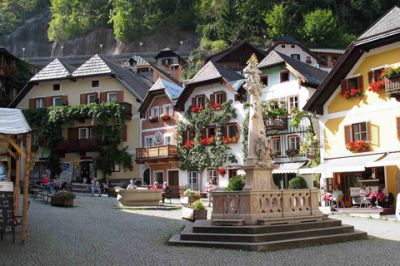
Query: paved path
point(93, 233)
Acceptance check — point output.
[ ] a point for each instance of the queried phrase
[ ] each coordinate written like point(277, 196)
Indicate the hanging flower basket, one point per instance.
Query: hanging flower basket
point(196, 109)
point(377, 86)
point(358, 146)
point(221, 171)
point(165, 117)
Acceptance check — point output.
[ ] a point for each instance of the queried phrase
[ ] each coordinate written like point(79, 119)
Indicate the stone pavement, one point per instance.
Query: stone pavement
point(93, 233)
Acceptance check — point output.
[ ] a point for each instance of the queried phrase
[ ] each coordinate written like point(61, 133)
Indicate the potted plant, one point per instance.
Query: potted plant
point(195, 211)
point(165, 116)
point(190, 196)
point(63, 198)
point(392, 73)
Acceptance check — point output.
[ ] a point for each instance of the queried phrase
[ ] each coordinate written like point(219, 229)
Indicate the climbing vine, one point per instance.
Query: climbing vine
point(197, 153)
point(108, 120)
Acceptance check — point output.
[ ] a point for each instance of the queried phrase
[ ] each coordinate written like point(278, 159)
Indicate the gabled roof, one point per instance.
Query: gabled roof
point(328, 50)
point(372, 38)
point(311, 75)
point(167, 52)
point(220, 55)
point(210, 73)
point(389, 21)
point(99, 65)
point(4, 50)
point(161, 86)
point(56, 69)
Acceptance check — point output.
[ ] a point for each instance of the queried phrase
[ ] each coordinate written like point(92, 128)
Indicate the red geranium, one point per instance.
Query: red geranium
point(226, 140)
point(353, 92)
point(216, 106)
point(358, 146)
point(221, 171)
point(377, 86)
point(196, 109)
point(188, 144)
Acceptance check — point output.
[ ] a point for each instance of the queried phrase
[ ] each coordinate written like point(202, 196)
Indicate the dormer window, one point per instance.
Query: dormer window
point(166, 61)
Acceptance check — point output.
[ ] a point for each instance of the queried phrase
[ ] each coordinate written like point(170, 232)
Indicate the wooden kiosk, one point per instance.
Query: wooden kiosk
point(15, 143)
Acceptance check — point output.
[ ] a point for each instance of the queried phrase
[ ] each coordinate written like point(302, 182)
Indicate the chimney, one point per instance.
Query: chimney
point(176, 72)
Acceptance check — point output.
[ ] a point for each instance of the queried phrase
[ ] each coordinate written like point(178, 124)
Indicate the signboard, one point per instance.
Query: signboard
point(6, 187)
point(398, 207)
point(7, 212)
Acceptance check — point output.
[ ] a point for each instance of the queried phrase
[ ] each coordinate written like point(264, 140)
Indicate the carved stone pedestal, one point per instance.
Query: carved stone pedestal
point(259, 177)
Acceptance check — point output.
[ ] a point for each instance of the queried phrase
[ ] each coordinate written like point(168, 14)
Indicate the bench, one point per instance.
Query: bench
point(355, 194)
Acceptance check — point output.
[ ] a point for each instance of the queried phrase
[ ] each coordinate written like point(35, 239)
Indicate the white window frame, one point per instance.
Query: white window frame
point(290, 102)
point(88, 97)
point(211, 174)
point(92, 133)
point(155, 111)
point(81, 130)
point(39, 102)
point(276, 140)
point(152, 141)
point(168, 135)
point(295, 137)
point(170, 109)
point(112, 93)
point(56, 98)
point(193, 185)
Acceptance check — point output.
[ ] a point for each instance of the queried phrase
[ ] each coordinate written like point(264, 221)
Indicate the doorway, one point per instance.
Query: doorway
point(173, 181)
point(146, 177)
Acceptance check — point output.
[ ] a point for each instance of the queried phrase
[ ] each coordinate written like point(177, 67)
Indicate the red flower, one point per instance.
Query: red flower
point(216, 106)
point(377, 86)
point(226, 140)
point(188, 144)
point(221, 171)
point(196, 109)
point(358, 146)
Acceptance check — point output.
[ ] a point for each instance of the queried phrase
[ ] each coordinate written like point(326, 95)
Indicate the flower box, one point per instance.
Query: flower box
point(188, 144)
point(207, 141)
point(358, 146)
point(165, 117)
point(186, 200)
point(153, 119)
point(193, 214)
point(228, 140)
point(377, 86)
point(196, 109)
point(352, 93)
point(216, 106)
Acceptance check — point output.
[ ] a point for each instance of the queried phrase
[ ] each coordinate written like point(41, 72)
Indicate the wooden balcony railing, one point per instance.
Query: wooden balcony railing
point(392, 87)
point(81, 145)
point(276, 122)
point(155, 153)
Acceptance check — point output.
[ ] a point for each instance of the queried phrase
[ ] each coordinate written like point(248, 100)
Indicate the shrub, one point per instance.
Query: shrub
point(188, 192)
point(297, 183)
point(197, 205)
point(66, 195)
point(236, 183)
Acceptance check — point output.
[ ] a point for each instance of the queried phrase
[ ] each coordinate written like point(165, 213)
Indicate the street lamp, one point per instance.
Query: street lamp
point(23, 52)
point(62, 50)
point(141, 46)
point(101, 48)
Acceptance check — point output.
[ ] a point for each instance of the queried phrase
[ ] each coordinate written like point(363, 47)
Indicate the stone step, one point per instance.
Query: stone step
point(291, 220)
point(273, 245)
point(187, 234)
point(205, 226)
point(231, 222)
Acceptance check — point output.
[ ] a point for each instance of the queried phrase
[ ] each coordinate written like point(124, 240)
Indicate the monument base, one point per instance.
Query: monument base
point(259, 176)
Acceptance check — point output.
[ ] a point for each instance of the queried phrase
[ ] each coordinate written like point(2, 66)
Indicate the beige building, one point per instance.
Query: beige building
point(97, 80)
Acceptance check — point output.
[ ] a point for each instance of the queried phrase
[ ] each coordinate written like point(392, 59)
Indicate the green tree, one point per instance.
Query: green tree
point(278, 22)
point(228, 26)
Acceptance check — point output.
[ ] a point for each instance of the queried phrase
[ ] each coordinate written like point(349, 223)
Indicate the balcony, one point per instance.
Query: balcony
point(276, 122)
point(127, 108)
point(79, 146)
point(392, 87)
point(159, 153)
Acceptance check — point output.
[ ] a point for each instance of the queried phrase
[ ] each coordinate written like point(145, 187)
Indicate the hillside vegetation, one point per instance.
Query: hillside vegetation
point(219, 23)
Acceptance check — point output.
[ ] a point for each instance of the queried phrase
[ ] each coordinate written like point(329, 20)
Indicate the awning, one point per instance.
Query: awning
point(12, 121)
point(286, 168)
point(349, 164)
point(311, 170)
point(390, 159)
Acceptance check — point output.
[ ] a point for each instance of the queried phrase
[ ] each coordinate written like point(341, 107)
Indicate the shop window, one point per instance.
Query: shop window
point(284, 76)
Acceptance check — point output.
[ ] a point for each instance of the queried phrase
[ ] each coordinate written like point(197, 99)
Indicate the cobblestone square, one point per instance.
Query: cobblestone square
point(95, 233)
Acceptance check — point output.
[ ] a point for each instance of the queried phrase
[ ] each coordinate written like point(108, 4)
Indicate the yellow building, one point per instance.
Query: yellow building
point(359, 115)
point(97, 80)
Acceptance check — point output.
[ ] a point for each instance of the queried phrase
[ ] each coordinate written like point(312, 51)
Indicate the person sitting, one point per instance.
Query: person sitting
point(337, 196)
point(95, 186)
point(166, 192)
point(364, 191)
point(378, 198)
point(131, 185)
point(106, 185)
point(210, 187)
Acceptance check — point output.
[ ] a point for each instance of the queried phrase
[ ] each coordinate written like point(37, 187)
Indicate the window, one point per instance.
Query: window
point(90, 98)
point(167, 109)
point(1, 60)
point(40, 103)
point(295, 56)
point(264, 80)
point(232, 130)
point(284, 76)
point(276, 146)
point(308, 60)
point(219, 97)
point(117, 168)
point(167, 139)
point(56, 87)
point(149, 141)
point(334, 60)
point(293, 103)
point(212, 174)
point(375, 74)
point(112, 97)
point(95, 84)
point(200, 101)
point(283, 46)
point(211, 132)
point(323, 60)
point(359, 131)
point(159, 177)
point(352, 83)
point(155, 111)
point(293, 46)
point(166, 61)
point(92, 133)
point(57, 101)
point(83, 133)
point(192, 182)
point(294, 143)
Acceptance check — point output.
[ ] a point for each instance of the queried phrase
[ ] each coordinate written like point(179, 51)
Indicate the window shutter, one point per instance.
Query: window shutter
point(64, 100)
point(120, 96)
point(370, 76)
point(83, 99)
point(103, 97)
point(32, 103)
point(194, 102)
point(124, 133)
point(223, 96)
point(368, 128)
point(96, 97)
point(398, 127)
point(212, 99)
point(73, 133)
point(48, 101)
point(204, 99)
point(297, 142)
point(237, 131)
point(281, 76)
point(360, 83)
point(344, 85)
point(347, 134)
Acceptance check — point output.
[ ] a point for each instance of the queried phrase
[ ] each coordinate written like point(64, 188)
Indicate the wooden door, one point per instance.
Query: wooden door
point(173, 181)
